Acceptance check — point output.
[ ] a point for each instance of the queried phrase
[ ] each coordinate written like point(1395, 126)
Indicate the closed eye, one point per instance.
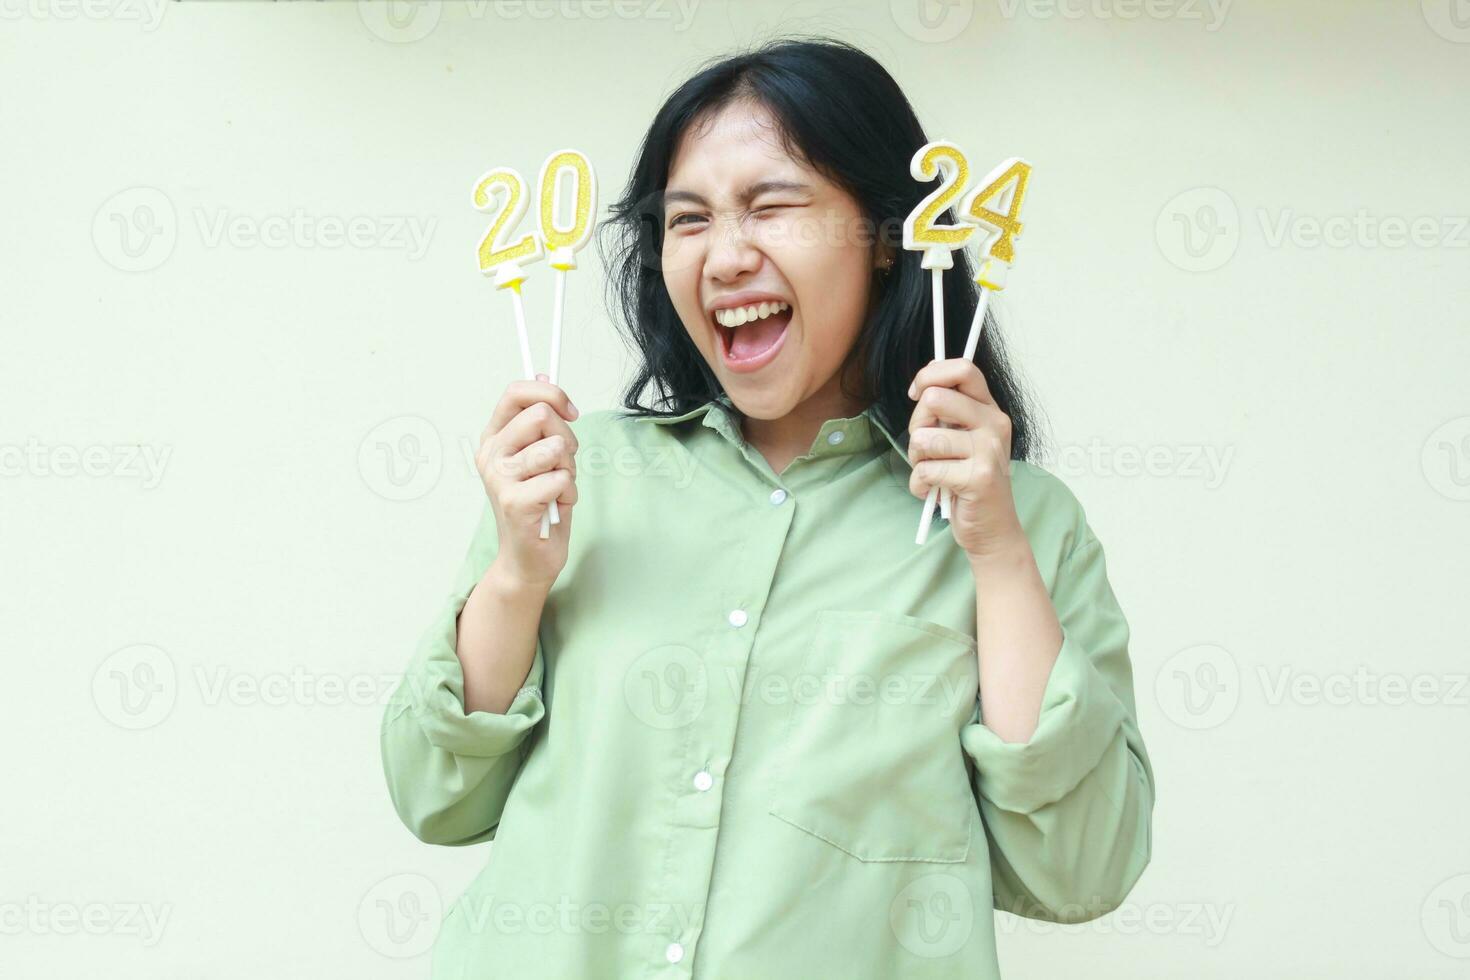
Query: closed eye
point(679, 218)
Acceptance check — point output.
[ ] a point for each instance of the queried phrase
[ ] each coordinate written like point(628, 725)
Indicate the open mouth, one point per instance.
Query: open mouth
point(750, 337)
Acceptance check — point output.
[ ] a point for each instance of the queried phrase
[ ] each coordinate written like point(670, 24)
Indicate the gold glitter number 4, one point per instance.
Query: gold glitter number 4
point(1005, 187)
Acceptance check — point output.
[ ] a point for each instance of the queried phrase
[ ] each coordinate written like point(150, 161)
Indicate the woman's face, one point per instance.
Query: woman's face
point(746, 225)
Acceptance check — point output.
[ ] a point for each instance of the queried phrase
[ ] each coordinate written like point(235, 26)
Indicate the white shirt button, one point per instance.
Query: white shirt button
point(738, 618)
point(778, 497)
point(703, 780)
point(674, 953)
point(835, 436)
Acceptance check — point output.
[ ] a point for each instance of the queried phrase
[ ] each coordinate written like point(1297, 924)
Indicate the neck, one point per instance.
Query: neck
point(782, 440)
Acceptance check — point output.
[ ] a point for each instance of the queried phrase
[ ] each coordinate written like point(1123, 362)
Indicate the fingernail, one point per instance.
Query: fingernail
point(573, 407)
point(911, 391)
point(543, 377)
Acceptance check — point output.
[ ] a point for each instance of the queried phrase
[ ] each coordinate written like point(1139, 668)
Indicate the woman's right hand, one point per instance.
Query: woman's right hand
point(527, 459)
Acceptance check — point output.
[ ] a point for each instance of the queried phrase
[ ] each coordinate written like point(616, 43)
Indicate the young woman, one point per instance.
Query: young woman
point(738, 725)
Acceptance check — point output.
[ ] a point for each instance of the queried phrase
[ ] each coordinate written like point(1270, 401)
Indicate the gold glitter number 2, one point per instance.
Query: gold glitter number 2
point(493, 248)
point(946, 160)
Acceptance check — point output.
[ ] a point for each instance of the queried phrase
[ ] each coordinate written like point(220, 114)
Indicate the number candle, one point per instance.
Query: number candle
point(562, 245)
point(502, 260)
point(921, 233)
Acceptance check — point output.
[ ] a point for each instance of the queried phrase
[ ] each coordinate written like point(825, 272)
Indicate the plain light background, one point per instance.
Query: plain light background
point(247, 357)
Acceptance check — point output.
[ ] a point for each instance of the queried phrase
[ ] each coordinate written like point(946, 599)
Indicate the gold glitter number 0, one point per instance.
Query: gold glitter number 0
point(582, 193)
point(493, 249)
point(1012, 179)
point(946, 159)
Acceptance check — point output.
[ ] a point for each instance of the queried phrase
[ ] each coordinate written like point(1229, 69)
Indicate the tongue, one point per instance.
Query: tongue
point(754, 338)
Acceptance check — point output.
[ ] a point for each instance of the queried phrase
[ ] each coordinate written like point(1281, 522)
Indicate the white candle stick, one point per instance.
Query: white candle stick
point(521, 335)
point(937, 278)
point(558, 298)
point(552, 514)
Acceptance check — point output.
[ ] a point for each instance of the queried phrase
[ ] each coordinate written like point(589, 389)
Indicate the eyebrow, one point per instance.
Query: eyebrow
point(748, 194)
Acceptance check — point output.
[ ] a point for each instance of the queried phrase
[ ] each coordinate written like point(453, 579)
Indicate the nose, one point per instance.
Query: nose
point(731, 255)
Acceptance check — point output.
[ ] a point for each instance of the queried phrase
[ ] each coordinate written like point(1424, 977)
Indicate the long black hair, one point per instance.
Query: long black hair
point(840, 111)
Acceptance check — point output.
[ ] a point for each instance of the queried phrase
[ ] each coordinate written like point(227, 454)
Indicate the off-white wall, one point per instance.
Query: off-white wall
point(1290, 418)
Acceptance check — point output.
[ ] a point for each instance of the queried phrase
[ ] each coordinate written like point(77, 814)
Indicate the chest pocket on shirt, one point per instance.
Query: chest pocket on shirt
point(871, 761)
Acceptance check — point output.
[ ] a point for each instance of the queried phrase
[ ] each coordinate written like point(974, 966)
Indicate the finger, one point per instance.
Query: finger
point(929, 473)
point(541, 456)
point(521, 394)
point(959, 373)
point(525, 501)
point(987, 455)
point(534, 422)
point(946, 405)
point(932, 442)
point(959, 476)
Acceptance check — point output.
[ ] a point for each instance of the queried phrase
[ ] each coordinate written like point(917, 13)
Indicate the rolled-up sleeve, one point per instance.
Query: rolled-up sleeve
point(449, 772)
point(1069, 812)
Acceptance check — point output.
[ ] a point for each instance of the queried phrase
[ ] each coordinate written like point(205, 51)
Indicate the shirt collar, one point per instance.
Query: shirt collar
point(837, 437)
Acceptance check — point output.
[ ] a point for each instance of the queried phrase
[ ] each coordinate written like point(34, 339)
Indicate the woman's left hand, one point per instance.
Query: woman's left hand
point(972, 457)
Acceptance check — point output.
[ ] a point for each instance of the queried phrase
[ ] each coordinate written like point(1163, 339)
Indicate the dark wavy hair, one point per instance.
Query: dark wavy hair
point(840, 112)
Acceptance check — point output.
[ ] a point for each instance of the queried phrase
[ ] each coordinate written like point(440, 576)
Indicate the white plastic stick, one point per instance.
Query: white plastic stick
point(939, 354)
point(972, 343)
point(561, 287)
point(521, 335)
point(553, 513)
point(926, 516)
point(550, 516)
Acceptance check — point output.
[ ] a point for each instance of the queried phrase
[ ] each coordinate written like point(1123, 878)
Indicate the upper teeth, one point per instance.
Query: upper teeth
point(735, 316)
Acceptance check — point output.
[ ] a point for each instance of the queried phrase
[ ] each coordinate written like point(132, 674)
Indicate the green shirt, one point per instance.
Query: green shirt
point(749, 745)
